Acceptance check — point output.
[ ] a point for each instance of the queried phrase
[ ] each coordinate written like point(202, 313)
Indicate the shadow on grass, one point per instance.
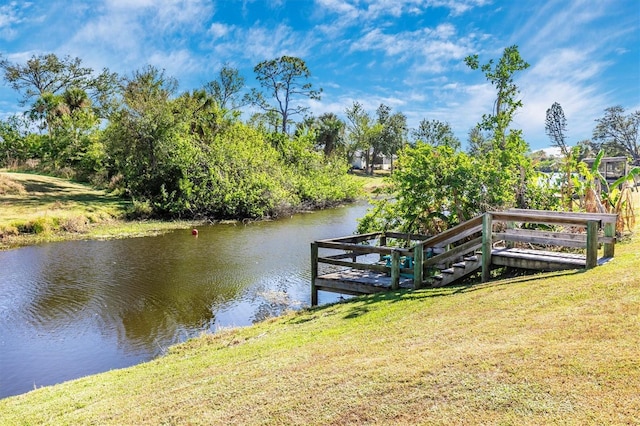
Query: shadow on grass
point(42, 192)
point(363, 304)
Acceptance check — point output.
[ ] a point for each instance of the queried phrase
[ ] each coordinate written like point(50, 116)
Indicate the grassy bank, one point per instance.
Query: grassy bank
point(37, 209)
point(552, 349)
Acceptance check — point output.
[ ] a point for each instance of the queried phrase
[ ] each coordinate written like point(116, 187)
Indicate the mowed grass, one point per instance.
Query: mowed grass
point(37, 208)
point(559, 348)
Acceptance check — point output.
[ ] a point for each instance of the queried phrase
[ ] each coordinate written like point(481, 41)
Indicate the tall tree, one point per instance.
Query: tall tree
point(329, 133)
point(284, 79)
point(359, 124)
point(508, 149)
point(618, 133)
point(226, 90)
point(500, 75)
point(436, 133)
point(556, 127)
point(393, 132)
point(142, 134)
point(49, 74)
point(479, 143)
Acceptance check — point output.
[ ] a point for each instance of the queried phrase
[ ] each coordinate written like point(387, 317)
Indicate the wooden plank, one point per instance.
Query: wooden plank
point(344, 256)
point(487, 239)
point(592, 244)
point(348, 287)
point(314, 274)
point(550, 234)
point(456, 233)
point(395, 269)
point(565, 239)
point(358, 282)
point(418, 268)
point(405, 236)
point(537, 261)
point(528, 218)
point(460, 250)
point(533, 239)
point(603, 217)
point(609, 232)
point(532, 254)
point(354, 265)
point(357, 248)
point(353, 238)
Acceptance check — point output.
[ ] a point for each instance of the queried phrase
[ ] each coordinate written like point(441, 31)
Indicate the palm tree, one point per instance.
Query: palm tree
point(330, 133)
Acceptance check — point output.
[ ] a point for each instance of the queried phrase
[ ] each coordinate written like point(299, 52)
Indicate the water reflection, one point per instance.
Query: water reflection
point(77, 308)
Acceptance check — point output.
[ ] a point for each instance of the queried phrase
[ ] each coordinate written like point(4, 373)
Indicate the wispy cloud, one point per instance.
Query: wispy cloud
point(10, 15)
point(430, 49)
point(259, 42)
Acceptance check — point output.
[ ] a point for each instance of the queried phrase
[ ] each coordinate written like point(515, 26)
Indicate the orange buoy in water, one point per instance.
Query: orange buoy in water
point(194, 232)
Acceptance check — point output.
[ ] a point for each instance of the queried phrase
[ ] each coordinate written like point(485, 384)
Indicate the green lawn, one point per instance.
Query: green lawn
point(36, 208)
point(558, 348)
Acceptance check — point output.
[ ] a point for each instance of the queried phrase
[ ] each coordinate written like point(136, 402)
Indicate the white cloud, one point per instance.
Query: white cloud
point(429, 50)
point(219, 30)
point(260, 42)
point(11, 14)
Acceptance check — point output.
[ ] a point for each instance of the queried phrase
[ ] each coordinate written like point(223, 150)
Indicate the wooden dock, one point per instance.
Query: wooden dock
point(376, 262)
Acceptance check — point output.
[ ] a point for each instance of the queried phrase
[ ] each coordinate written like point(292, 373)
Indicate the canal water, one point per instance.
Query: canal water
point(76, 308)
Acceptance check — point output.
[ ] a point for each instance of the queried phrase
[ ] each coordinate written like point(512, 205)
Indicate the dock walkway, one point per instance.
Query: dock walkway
point(377, 262)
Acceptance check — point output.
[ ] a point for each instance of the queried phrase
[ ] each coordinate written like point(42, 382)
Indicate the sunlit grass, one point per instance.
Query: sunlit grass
point(557, 348)
point(37, 209)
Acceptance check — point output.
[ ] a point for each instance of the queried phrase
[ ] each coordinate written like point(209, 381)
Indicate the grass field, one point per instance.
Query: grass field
point(36, 209)
point(549, 349)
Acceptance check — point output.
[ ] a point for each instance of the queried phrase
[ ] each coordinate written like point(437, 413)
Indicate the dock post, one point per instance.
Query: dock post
point(383, 243)
point(314, 273)
point(609, 231)
point(487, 240)
point(592, 244)
point(418, 258)
point(395, 269)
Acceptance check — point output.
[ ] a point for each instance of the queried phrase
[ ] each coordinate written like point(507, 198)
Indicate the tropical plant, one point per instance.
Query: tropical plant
point(601, 197)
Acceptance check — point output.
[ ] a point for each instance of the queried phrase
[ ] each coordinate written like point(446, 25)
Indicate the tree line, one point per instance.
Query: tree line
point(191, 154)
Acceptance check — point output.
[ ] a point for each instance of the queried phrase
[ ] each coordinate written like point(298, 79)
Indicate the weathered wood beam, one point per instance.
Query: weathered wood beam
point(592, 244)
point(314, 274)
point(454, 252)
point(487, 240)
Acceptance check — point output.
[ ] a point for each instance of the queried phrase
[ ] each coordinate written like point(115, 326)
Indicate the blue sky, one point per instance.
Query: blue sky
point(408, 54)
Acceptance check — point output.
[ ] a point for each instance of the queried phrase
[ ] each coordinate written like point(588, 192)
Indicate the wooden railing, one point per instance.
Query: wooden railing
point(418, 256)
point(600, 229)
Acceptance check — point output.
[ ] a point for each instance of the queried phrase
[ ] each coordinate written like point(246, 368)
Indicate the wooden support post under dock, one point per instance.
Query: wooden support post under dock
point(395, 270)
point(418, 258)
point(592, 244)
point(609, 231)
point(314, 273)
point(391, 268)
point(487, 241)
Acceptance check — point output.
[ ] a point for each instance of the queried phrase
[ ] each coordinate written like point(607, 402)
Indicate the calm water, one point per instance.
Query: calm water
point(77, 308)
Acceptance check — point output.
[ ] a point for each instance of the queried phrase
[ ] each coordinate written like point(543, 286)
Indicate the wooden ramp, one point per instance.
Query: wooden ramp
point(377, 262)
point(354, 281)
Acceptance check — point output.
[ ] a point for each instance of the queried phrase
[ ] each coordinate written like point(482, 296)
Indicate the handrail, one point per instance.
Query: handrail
point(450, 239)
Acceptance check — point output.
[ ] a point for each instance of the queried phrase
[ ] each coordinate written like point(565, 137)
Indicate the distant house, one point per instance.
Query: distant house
point(359, 161)
point(611, 168)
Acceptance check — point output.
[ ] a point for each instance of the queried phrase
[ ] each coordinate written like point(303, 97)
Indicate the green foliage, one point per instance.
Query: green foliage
point(184, 157)
point(436, 133)
point(435, 187)
point(500, 75)
point(284, 80)
point(618, 134)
